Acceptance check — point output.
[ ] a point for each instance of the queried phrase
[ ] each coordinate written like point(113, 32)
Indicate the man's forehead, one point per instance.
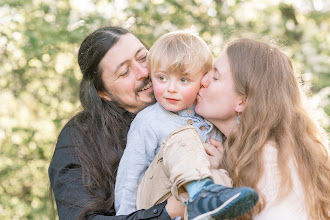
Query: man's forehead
point(123, 51)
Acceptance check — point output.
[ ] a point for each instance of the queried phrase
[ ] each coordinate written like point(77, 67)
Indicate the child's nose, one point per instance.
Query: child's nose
point(171, 86)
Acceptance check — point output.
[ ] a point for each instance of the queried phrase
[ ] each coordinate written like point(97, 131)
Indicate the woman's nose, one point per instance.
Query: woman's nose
point(205, 80)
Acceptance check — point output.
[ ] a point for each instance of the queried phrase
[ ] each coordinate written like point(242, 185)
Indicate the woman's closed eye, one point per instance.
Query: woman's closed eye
point(216, 75)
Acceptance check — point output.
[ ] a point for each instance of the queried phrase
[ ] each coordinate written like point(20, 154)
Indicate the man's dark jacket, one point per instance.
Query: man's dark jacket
point(65, 176)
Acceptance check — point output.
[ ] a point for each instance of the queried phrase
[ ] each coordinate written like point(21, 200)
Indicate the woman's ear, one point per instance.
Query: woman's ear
point(241, 104)
point(104, 95)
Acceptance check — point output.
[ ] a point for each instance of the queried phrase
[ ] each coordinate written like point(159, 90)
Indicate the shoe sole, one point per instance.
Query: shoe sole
point(232, 208)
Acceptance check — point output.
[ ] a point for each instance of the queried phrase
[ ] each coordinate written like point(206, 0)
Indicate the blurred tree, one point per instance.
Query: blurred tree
point(39, 73)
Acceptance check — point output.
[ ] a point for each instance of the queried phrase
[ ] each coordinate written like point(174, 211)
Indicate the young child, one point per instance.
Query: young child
point(177, 61)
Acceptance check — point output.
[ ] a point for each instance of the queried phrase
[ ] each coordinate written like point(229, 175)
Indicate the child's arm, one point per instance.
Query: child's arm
point(139, 152)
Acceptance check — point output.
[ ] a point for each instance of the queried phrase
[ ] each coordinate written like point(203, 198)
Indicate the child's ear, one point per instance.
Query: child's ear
point(241, 104)
point(104, 95)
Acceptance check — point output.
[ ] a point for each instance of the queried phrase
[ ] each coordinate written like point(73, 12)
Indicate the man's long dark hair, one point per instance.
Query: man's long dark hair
point(102, 125)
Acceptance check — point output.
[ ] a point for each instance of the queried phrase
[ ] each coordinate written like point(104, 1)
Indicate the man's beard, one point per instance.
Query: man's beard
point(114, 99)
point(153, 101)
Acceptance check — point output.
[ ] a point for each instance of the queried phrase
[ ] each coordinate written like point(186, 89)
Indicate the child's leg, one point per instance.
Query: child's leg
point(220, 176)
point(183, 160)
point(158, 181)
point(188, 168)
point(155, 186)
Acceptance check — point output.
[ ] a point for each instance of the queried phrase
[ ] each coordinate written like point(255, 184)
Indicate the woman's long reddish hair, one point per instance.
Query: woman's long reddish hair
point(274, 111)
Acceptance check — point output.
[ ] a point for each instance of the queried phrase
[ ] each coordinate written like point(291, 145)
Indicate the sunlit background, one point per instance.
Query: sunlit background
point(39, 75)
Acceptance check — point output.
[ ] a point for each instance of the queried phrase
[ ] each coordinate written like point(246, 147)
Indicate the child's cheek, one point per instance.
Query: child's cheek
point(190, 95)
point(158, 91)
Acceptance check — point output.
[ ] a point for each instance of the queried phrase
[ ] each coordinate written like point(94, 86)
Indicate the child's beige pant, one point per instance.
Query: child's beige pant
point(181, 159)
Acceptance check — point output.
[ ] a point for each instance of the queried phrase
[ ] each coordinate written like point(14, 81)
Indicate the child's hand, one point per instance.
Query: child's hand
point(215, 152)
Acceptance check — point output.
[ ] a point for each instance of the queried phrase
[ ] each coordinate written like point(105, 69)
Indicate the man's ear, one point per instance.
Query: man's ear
point(104, 95)
point(241, 104)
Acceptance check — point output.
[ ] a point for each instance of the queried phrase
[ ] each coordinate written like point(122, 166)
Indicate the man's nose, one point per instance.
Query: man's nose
point(141, 71)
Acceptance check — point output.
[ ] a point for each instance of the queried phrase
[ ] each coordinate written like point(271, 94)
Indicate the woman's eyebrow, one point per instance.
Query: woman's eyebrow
point(216, 70)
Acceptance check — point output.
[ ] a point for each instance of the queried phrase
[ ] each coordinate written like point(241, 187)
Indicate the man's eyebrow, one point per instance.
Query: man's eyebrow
point(126, 61)
point(139, 50)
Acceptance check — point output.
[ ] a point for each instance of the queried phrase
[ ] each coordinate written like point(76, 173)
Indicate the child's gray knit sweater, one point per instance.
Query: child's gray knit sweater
point(148, 130)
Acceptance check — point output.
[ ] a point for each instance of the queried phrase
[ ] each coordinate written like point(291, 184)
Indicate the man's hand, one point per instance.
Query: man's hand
point(174, 207)
point(215, 152)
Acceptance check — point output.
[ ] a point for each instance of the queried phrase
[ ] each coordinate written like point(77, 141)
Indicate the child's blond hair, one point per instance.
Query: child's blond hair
point(180, 51)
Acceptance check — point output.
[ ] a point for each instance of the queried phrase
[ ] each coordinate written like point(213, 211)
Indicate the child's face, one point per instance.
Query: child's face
point(175, 91)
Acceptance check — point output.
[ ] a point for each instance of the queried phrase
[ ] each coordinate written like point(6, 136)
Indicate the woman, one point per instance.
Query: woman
point(273, 146)
point(114, 87)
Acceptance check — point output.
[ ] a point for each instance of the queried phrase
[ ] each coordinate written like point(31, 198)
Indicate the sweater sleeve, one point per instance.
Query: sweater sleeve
point(292, 207)
point(72, 196)
point(139, 153)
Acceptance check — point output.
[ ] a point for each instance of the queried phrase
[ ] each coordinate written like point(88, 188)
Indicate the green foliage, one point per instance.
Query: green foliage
point(39, 75)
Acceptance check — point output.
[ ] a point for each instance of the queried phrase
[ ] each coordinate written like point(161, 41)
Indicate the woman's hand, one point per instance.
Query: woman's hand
point(174, 208)
point(215, 152)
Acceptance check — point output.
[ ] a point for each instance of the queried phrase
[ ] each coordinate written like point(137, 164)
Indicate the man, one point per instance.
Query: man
point(115, 86)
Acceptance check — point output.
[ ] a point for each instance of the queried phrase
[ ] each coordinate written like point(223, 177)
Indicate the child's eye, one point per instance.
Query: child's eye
point(162, 78)
point(184, 80)
point(214, 78)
